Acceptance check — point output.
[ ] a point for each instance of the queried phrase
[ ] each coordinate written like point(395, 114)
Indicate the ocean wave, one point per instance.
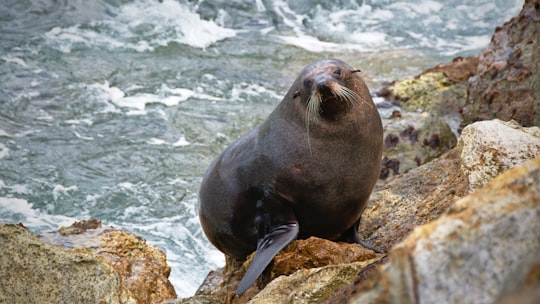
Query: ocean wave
point(141, 26)
point(137, 103)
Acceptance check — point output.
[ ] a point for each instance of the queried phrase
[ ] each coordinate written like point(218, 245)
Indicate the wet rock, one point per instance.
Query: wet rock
point(507, 82)
point(83, 263)
point(485, 246)
point(413, 139)
point(491, 147)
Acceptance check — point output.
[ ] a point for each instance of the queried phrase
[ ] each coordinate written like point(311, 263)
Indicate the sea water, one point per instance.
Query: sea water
point(113, 109)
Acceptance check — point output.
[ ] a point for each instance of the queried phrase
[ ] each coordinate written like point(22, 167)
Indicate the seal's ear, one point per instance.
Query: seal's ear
point(356, 71)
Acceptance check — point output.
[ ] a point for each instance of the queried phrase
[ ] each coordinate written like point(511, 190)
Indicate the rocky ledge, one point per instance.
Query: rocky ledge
point(83, 263)
point(456, 211)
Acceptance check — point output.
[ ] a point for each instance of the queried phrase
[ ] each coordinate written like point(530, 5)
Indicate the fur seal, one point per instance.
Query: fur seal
point(307, 170)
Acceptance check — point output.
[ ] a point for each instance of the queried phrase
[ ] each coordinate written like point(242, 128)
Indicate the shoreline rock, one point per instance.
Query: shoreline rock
point(83, 263)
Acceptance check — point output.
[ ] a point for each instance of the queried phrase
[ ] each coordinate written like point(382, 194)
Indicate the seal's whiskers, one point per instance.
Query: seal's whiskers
point(349, 95)
point(312, 113)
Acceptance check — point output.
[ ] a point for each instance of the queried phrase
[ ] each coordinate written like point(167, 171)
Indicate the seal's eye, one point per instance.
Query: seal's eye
point(296, 94)
point(337, 73)
point(308, 83)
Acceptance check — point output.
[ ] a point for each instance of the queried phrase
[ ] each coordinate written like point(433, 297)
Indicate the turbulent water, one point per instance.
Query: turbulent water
point(113, 109)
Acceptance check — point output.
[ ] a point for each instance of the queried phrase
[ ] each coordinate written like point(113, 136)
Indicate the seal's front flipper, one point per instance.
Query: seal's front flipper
point(267, 248)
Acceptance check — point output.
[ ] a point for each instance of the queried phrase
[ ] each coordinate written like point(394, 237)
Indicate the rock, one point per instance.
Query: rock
point(484, 150)
point(417, 197)
point(485, 246)
point(83, 263)
point(35, 272)
point(413, 139)
point(441, 90)
point(503, 82)
point(310, 285)
point(507, 82)
point(312, 259)
point(316, 252)
point(491, 147)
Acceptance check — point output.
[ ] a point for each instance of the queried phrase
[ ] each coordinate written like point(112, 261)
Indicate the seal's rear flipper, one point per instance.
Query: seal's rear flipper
point(351, 235)
point(268, 247)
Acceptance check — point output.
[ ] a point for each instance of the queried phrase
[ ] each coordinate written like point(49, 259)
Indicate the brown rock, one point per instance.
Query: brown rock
point(300, 255)
point(506, 84)
point(35, 272)
point(460, 69)
point(314, 285)
point(316, 252)
point(142, 268)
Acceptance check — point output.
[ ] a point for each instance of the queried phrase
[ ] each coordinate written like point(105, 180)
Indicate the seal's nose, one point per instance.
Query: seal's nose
point(322, 81)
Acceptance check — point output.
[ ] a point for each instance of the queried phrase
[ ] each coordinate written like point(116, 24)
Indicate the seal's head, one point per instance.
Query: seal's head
point(328, 88)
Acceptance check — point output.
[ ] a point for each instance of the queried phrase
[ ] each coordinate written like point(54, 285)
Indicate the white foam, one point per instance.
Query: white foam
point(4, 151)
point(22, 210)
point(62, 190)
point(17, 188)
point(82, 136)
point(251, 89)
point(156, 141)
point(86, 121)
point(138, 102)
point(3, 133)
point(142, 26)
point(334, 24)
point(181, 142)
point(15, 60)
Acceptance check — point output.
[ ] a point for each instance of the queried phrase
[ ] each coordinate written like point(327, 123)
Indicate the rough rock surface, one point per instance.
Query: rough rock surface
point(491, 147)
point(485, 246)
point(503, 82)
point(441, 90)
point(83, 263)
point(314, 285)
point(484, 150)
point(314, 257)
point(506, 84)
point(35, 272)
point(413, 139)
